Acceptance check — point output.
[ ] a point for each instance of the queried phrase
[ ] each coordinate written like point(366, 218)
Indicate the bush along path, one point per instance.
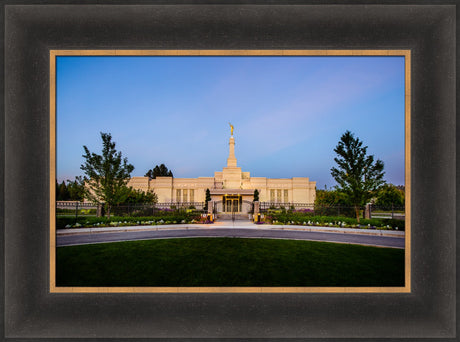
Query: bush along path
point(121, 221)
point(303, 219)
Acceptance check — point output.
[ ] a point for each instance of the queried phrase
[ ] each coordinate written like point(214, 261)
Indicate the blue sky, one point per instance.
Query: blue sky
point(288, 112)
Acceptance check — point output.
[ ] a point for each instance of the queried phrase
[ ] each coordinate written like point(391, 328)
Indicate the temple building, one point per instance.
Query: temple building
point(232, 189)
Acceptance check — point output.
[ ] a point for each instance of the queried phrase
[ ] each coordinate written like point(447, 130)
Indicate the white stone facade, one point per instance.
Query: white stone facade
point(231, 181)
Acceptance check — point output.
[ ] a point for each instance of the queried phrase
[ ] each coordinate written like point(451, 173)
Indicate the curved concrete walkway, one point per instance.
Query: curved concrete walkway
point(243, 229)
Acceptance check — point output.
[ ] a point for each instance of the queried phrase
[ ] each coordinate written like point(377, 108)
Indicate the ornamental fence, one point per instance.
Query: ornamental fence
point(158, 209)
point(127, 209)
point(371, 211)
point(390, 211)
point(285, 205)
point(72, 205)
point(130, 209)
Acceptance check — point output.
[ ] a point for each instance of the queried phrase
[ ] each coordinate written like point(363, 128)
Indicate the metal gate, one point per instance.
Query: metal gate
point(232, 208)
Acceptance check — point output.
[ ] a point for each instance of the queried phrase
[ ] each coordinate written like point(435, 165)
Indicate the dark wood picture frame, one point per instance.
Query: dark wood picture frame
point(54, 116)
point(32, 312)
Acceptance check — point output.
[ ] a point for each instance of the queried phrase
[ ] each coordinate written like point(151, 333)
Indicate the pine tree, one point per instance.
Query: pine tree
point(76, 189)
point(357, 174)
point(159, 171)
point(58, 198)
point(208, 198)
point(63, 194)
point(256, 195)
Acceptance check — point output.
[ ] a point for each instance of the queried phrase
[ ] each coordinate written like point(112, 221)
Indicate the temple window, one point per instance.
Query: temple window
point(272, 196)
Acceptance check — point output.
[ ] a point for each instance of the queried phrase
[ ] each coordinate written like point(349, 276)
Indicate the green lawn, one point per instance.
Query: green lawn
point(228, 262)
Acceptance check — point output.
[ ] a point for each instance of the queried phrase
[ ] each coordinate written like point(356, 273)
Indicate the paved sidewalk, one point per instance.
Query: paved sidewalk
point(240, 224)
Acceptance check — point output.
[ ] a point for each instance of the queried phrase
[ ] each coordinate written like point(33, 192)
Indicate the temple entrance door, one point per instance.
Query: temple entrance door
point(235, 206)
point(232, 204)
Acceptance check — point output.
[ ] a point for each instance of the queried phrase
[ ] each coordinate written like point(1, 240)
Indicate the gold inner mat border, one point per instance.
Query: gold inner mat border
point(306, 53)
point(270, 52)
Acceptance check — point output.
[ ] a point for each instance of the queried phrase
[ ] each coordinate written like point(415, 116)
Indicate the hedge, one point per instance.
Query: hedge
point(82, 222)
point(333, 221)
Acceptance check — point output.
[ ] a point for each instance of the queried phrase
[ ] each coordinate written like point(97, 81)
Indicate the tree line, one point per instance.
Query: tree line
point(70, 190)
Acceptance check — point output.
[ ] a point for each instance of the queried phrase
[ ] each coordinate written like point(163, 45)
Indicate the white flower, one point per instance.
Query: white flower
point(68, 226)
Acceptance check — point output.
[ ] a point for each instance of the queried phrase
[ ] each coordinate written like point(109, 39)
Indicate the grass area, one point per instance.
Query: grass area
point(228, 262)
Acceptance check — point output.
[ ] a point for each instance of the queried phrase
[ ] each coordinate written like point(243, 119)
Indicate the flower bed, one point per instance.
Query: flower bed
point(296, 218)
point(118, 221)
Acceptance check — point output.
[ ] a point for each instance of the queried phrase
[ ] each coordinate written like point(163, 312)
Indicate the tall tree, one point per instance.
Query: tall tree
point(390, 196)
point(207, 199)
point(106, 175)
point(57, 191)
point(256, 195)
point(141, 197)
point(332, 203)
point(159, 171)
point(76, 188)
point(63, 193)
point(357, 174)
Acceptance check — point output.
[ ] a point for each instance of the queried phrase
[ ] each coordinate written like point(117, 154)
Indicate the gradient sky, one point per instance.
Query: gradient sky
point(288, 112)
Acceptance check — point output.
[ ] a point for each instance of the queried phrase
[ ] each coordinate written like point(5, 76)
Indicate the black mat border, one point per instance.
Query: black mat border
point(32, 313)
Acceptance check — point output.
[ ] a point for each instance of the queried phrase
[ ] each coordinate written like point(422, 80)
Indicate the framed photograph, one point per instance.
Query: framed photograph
point(49, 50)
point(180, 202)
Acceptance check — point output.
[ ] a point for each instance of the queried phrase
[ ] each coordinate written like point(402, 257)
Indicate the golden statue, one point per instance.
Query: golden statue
point(231, 128)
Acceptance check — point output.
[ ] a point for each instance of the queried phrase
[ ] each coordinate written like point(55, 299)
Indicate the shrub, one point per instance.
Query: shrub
point(69, 222)
point(297, 217)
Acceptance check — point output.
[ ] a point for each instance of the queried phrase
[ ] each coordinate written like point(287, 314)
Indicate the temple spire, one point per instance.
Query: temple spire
point(231, 161)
